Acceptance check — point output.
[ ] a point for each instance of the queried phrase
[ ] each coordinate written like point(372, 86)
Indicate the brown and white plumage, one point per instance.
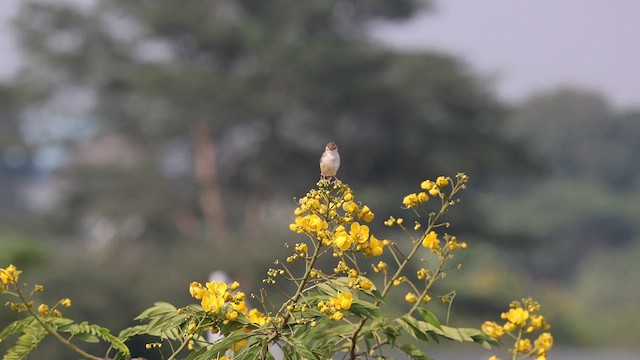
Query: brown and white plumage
point(329, 161)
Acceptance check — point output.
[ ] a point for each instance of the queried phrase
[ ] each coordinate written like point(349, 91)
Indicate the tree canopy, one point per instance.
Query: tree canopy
point(218, 106)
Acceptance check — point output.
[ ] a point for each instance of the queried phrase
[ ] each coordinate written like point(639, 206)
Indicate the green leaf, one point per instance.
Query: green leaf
point(250, 354)
point(392, 333)
point(302, 350)
point(480, 337)
point(429, 317)
point(455, 334)
point(364, 309)
point(130, 332)
point(158, 308)
point(325, 289)
point(14, 328)
point(222, 345)
point(90, 333)
point(419, 329)
point(163, 320)
point(414, 352)
point(88, 338)
point(26, 343)
point(411, 326)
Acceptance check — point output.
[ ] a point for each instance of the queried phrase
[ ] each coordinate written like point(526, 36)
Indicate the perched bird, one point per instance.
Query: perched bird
point(329, 162)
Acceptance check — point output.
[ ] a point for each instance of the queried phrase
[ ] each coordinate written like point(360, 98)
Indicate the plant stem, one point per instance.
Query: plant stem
point(175, 353)
point(55, 334)
point(432, 224)
point(303, 282)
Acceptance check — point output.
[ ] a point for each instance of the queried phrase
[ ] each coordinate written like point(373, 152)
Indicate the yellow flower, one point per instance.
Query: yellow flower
point(442, 181)
point(376, 246)
point(299, 224)
point(234, 286)
point(43, 309)
point(493, 357)
point(423, 197)
point(257, 317)
point(316, 224)
point(344, 300)
point(212, 303)
point(410, 200)
point(365, 214)
point(215, 296)
point(410, 297)
point(431, 241)
point(523, 346)
point(427, 185)
point(359, 233)
point(350, 207)
point(544, 341)
point(9, 275)
point(390, 221)
point(342, 241)
point(337, 316)
point(492, 329)
point(196, 290)
point(517, 316)
point(231, 315)
point(302, 248)
point(217, 288)
point(509, 327)
point(422, 273)
point(66, 302)
point(382, 266)
point(537, 321)
point(365, 283)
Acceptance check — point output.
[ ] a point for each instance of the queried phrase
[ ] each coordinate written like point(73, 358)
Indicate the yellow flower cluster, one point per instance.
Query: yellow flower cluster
point(9, 275)
point(522, 319)
point(332, 307)
point(434, 187)
point(411, 298)
point(331, 215)
point(220, 298)
point(45, 311)
point(431, 242)
point(413, 199)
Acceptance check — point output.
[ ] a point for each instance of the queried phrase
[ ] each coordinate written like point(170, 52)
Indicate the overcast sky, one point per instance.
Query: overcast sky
point(536, 45)
point(526, 45)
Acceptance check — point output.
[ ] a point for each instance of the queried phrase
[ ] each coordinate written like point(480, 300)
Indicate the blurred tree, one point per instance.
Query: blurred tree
point(586, 200)
point(206, 109)
point(579, 134)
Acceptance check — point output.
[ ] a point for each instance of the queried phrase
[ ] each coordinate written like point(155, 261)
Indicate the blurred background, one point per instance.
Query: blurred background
point(145, 144)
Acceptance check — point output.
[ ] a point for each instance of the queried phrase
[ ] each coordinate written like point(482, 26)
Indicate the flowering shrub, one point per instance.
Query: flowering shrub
point(336, 310)
point(523, 320)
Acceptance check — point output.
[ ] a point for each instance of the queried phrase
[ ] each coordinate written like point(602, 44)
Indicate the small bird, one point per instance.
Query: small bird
point(329, 161)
